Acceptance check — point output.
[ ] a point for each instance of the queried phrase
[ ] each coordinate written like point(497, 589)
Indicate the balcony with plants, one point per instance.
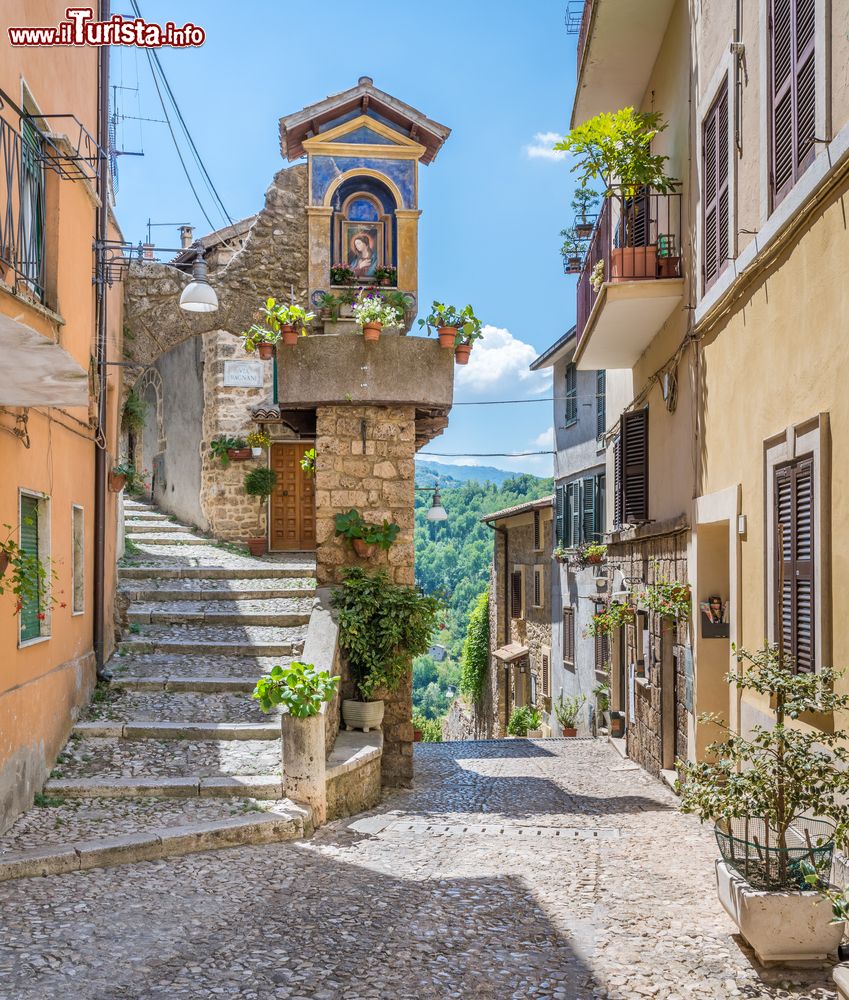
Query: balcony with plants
point(629, 264)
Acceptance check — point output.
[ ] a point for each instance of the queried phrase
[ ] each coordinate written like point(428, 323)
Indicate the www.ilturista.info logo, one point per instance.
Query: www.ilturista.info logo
point(80, 28)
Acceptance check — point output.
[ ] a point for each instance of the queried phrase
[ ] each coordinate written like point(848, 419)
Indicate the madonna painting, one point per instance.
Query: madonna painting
point(362, 251)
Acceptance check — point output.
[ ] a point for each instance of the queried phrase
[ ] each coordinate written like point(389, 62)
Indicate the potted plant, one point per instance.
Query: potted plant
point(567, 711)
point(308, 462)
point(118, 477)
point(341, 274)
point(386, 275)
point(617, 725)
point(456, 328)
point(584, 202)
point(614, 616)
point(256, 441)
point(127, 476)
point(261, 339)
point(298, 687)
point(601, 693)
point(572, 251)
point(468, 332)
point(534, 725)
point(260, 482)
point(328, 306)
point(238, 450)
point(382, 627)
point(615, 149)
point(364, 536)
point(221, 447)
point(597, 276)
point(560, 554)
point(26, 576)
point(775, 796)
point(668, 259)
point(668, 598)
point(590, 554)
point(293, 323)
point(372, 312)
point(523, 720)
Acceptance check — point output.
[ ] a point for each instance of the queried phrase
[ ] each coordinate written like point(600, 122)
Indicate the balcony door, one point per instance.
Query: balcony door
point(292, 507)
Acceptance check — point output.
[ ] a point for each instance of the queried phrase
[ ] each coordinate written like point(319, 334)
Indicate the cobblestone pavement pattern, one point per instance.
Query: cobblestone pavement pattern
point(515, 869)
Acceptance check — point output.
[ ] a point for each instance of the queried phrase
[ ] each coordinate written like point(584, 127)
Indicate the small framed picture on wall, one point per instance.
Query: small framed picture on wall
point(714, 616)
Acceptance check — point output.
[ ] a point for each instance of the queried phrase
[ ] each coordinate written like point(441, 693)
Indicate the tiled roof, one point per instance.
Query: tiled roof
point(520, 508)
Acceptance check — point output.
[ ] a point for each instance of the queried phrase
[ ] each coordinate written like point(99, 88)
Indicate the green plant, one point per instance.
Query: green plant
point(351, 525)
point(590, 554)
point(560, 553)
point(256, 335)
point(341, 274)
point(520, 721)
point(26, 576)
point(402, 301)
point(221, 445)
point(602, 696)
point(573, 245)
point(535, 719)
point(668, 598)
point(781, 772)
point(308, 462)
point(568, 709)
point(299, 687)
point(330, 303)
point(584, 201)
point(134, 478)
point(294, 316)
point(476, 650)
point(613, 617)
point(382, 626)
point(258, 439)
point(464, 320)
point(134, 413)
point(431, 729)
point(614, 148)
point(386, 273)
point(372, 307)
point(260, 482)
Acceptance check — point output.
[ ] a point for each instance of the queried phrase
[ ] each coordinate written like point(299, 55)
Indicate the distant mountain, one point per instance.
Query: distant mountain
point(455, 475)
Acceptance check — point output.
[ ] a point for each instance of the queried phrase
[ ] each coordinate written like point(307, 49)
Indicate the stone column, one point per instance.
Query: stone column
point(319, 248)
point(365, 460)
point(304, 765)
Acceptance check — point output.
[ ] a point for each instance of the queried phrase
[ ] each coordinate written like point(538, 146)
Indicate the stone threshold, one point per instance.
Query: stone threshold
point(166, 842)
point(258, 786)
point(179, 730)
point(619, 744)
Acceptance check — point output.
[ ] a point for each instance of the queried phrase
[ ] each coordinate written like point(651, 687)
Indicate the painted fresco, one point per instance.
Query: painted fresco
point(325, 170)
point(365, 137)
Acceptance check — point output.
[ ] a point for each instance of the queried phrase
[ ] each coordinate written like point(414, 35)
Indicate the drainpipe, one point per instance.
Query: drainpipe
point(739, 51)
point(101, 453)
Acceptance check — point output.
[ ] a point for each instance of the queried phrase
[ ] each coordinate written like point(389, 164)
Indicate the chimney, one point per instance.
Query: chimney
point(147, 251)
point(186, 236)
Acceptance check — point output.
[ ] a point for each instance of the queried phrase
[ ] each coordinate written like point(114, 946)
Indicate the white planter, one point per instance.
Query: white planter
point(786, 927)
point(256, 452)
point(535, 734)
point(363, 715)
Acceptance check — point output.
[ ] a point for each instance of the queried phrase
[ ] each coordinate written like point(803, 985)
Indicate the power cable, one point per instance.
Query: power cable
point(482, 454)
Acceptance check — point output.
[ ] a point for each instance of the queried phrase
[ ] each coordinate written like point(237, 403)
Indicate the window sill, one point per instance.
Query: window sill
point(26, 643)
point(570, 423)
point(642, 682)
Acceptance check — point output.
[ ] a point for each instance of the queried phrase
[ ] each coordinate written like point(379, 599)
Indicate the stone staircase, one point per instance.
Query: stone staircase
point(173, 756)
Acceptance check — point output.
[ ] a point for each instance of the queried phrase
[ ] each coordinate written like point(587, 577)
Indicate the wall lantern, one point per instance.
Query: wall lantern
point(436, 512)
point(199, 296)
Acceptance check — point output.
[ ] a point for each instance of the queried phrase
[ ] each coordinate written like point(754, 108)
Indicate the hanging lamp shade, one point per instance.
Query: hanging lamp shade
point(199, 296)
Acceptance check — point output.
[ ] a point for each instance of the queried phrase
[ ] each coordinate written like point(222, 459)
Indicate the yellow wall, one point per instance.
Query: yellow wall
point(43, 683)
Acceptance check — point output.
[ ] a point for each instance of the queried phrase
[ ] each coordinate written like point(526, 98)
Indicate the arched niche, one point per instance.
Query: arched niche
point(363, 224)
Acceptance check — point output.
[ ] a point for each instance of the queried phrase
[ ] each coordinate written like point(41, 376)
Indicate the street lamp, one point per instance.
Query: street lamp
point(199, 296)
point(437, 512)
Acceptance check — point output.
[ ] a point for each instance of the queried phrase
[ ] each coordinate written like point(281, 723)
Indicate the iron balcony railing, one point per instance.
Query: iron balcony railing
point(636, 237)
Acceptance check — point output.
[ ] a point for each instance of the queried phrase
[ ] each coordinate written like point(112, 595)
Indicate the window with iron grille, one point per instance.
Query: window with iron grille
point(792, 93)
point(715, 194)
point(600, 402)
point(631, 458)
point(569, 636)
point(32, 209)
point(571, 393)
point(794, 560)
point(516, 603)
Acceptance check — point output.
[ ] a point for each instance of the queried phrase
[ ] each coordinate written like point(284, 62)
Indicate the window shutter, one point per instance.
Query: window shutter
point(715, 193)
point(588, 518)
point(537, 535)
point(574, 513)
point(560, 515)
point(571, 393)
point(617, 482)
point(635, 466)
point(537, 589)
point(602, 652)
point(600, 402)
point(546, 675)
point(516, 594)
point(794, 512)
point(600, 514)
point(30, 622)
point(569, 635)
point(792, 91)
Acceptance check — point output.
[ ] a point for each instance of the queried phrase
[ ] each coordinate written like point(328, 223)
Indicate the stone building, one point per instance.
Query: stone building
point(520, 616)
point(365, 407)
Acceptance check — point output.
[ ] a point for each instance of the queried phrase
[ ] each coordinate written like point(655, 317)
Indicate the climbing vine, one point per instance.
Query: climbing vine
point(476, 649)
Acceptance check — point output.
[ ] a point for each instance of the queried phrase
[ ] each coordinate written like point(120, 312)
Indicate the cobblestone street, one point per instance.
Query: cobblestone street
point(513, 869)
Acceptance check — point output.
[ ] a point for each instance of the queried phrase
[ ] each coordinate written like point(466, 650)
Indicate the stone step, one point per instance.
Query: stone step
point(130, 504)
point(180, 537)
point(188, 665)
point(139, 730)
point(145, 516)
point(174, 562)
point(117, 705)
point(151, 760)
point(258, 786)
point(155, 528)
point(274, 611)
point(235, 640)
point(146, 842)
point(212, 685)
point(145, 590)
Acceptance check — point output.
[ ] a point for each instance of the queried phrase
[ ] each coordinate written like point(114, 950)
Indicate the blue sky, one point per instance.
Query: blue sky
point(500, 74)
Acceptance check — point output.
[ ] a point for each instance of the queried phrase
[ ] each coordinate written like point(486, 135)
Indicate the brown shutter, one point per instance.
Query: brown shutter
point(569, 636)
point(635, 466)
point(537, 535)
point(546, 675)
point(715, 192)
point(602, 652)
point(617, 482)
point(537, 589)
point(794, 511)
point(516, 594)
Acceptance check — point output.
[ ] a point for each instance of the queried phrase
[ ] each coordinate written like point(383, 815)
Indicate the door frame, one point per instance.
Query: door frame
point(307, 442)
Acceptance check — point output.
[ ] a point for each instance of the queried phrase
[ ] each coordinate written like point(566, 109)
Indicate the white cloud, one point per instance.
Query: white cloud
point(498, 367)
point(546, 439)
point(541, 147)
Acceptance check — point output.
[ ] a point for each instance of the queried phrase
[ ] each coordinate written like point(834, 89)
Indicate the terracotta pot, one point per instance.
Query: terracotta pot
point(289, 335)
point(116, 482)
point(238, 454)
point(461, 353)
point(595, 560)
point(447, 336)
point(4, 561)
point(617, 725)
point(417, 735)
point(627, 263)
point(266, 352)
point(364, 549)
point(668, 267)
point(371, 331)
point(570, 732)
point(363, 715)
point(257, 546)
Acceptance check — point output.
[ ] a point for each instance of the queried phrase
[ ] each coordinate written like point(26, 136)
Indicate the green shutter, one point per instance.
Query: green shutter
point(598, 528)
point(30, 622)
point(588, 501)
point(560, 515)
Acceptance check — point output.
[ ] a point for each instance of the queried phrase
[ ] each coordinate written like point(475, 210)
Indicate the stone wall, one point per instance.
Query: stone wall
point(651, 559)
point(365, 460)
point(462, 722)
point(354, 791)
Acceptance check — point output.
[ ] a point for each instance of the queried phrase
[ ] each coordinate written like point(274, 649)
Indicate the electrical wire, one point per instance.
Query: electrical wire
point(482, 454)
point(536, 399)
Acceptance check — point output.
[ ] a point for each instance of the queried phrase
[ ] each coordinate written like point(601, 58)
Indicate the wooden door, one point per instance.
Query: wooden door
point(293, 500)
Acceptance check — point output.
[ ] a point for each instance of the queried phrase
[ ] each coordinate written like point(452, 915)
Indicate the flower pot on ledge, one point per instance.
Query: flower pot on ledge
point(257, 546)
point(265, 351)
point(117, 481)
point(364, 549)
point(633, 262)
point(238, 454)
point(447, 336)
point(461, 353)
point(289, 335)
point(569, 732)
point(363, 715)
point(371, 331)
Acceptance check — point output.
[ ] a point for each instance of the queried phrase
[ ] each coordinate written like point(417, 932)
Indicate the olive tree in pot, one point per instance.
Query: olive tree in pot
point(382, 626)
point(567, 711)
point(777, 798)
point(260, 483)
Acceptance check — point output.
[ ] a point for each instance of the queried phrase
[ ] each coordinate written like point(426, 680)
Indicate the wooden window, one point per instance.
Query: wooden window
point(715, 191)
point(600, 402)
point(31, 610)
point(538, 586)
point(632, 469)
point(569, 636)
point(602, 653)
point(794, 560)
point(584, 510)
point(31, 232)
point(546, 674)
point(571, 393)
point(792, 92)
point(516, 603)
point(78, 559)
point(537, 531)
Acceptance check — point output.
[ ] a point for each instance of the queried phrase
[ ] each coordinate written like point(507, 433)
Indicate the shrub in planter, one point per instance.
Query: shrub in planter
point(611, 618)
point(382, 626)
point(228, 449)
point(590, 554)
point(560, 554)
point(386, 275)
point(372, 312)
point(567, 711)
point(293, 322)
point(520, 721)
point(127, 476)
point(341, 274)
point(261, 339)
point(364, 536)
point(257, 440)
point(260, 482)
point(299, 688)
point(775, 796)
